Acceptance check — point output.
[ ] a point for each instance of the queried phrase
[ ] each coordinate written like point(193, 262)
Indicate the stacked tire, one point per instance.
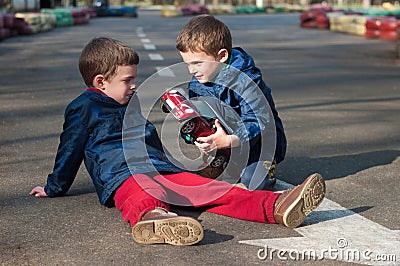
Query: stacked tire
point(170, 12)
point(38, 22)
point(63, 16)
point(398, 43)
point(383, 27)
point(221, 9)
point(352, 24)
point(249, 9)
point(314, 19)
point(193, 9)
point(13, 26)
point(5, 31)
point(79, 16)
point(89, 12)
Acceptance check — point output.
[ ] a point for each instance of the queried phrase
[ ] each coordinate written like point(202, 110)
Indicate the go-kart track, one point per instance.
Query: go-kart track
point(338, 96)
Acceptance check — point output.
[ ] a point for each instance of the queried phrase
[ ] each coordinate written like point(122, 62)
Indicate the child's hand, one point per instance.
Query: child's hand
point(218, 140)
point(38, 192)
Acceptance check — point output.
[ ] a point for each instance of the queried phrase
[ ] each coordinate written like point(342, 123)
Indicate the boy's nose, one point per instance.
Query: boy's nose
point(192, 69)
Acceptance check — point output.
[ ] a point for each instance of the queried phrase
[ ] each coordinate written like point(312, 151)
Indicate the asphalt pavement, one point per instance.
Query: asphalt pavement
point(338, 96)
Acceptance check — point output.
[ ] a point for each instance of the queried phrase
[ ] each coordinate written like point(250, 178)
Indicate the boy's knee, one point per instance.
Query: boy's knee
point(250, 177)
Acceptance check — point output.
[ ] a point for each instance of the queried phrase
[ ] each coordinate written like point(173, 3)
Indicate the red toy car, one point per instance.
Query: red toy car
point(195, 121)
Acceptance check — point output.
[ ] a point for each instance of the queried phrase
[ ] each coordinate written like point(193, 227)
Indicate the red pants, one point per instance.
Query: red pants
point(141, 193)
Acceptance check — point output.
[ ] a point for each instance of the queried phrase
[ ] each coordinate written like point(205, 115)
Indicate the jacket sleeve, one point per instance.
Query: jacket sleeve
point(254, 108)
point(273, 130)
point(70, 152)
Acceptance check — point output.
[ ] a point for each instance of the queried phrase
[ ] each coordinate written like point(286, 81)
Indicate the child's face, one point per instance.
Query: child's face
point(203, 66)
point(122, 86)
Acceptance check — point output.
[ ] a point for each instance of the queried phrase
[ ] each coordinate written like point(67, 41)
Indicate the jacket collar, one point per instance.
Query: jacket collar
point(99, 96)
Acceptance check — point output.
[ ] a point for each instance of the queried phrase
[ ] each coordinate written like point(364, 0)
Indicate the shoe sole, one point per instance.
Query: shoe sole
point(308, 200)
point(177, 231)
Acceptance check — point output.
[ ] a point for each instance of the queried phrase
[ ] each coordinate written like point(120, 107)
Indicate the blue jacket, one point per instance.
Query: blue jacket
point(92, 132)
point(237, 87)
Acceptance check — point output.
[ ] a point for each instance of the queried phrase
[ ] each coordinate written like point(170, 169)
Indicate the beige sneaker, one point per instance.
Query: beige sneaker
point(293, 205)
point(161, 226)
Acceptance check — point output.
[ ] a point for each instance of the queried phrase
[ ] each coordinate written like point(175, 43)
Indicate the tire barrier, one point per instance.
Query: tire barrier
point(63, 16)
point(357, 22)
point(79, 17)
point(5, 32)
point(351, 24)
point(25, 23)
point(249, 9)
point(281, 8)
point(38, 22)
point(188, 10)
point(193, 9)
point(285, 8)
point(397, 49)
point(221, 9)
point(12, 26)
point(170, 12)
point(383, 27)
point(314, 19)
point(386, 10)
point(116, 11)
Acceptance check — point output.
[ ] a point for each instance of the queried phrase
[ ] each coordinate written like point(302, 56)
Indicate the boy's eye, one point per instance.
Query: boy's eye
point(195, 63)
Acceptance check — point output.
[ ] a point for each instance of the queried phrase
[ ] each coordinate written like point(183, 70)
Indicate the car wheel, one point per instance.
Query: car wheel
point(188, 127)
point(219, 160)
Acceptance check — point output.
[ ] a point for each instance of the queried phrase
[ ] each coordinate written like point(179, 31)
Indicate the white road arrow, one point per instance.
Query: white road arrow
point(334, 232)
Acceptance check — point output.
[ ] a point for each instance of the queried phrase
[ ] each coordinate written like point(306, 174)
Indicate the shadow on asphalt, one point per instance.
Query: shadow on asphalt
point(212, 237)
point(295, 169)
point(337, 102)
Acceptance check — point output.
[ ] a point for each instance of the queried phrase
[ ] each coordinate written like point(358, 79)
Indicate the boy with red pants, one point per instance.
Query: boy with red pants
point(143, 191)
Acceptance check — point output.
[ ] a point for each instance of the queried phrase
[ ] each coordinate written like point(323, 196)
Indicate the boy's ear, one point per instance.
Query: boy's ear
point(223, 55)
point(98, 81)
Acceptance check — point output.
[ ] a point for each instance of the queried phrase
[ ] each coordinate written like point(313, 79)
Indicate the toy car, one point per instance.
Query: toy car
point(195, 121)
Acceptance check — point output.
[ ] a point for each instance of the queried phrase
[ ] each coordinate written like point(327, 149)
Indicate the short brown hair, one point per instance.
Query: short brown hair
point(204, 33)
point(102, 56)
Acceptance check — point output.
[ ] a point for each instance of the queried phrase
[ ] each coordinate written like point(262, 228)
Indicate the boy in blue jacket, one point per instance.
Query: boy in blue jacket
point(143, 183)
point(230, 75)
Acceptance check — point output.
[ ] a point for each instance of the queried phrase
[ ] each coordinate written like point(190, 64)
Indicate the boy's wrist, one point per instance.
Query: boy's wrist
point(234, 141)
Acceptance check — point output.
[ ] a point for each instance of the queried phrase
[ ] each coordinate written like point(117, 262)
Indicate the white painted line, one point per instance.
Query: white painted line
point(149, 46)
point(165, 72)
point(145, 40)
point(156, 57)
point(140, 33)
point(334, 232)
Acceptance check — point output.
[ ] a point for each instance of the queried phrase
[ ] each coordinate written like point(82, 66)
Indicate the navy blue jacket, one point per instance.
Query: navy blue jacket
point(92, 132)
point(236, 85)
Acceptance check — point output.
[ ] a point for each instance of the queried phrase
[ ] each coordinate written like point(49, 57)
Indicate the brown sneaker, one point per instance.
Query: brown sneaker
point(162, 226)
point(293, 205)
